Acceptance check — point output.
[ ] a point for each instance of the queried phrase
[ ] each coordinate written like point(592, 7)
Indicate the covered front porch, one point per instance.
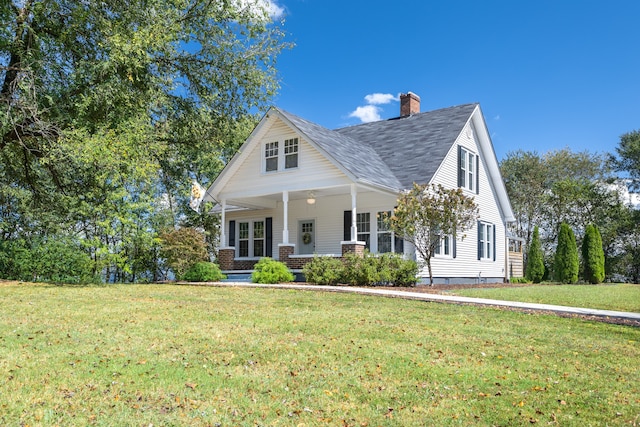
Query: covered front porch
point(293, 226)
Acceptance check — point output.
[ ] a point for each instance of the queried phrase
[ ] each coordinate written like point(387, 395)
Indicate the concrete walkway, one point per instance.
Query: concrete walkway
point(443, 298)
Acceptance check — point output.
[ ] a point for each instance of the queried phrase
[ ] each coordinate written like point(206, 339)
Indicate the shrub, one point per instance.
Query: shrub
point(360, 270)
point(204, 272)
point(270, 271)
point(323, 270)
point(535, 259)
point(565, 266)
point(182, 248)
point(593, 255)
point(520, 280)
point(393, 270)
point(367, 270)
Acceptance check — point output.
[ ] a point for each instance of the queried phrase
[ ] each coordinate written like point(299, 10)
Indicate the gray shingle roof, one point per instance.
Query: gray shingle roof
point(413, 147)
point(392, 153)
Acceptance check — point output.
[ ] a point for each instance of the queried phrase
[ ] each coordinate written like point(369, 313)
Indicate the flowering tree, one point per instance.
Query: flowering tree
point(427, 213)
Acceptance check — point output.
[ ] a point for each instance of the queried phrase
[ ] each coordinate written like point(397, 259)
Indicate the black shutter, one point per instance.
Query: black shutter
point(460, 163)
point(268, 237)
point(232, 234)
point(477, 174)
point(494, 242)
point(455, 248)
point(347, 226)
point(479, 241)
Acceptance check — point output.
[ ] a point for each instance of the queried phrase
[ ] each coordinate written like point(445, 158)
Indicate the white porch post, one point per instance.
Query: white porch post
point(354, 227)
point(223, 227)
point(285, 207)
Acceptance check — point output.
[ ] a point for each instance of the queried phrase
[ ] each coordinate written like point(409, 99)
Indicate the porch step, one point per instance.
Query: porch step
point(237, 277)
point(246, 277)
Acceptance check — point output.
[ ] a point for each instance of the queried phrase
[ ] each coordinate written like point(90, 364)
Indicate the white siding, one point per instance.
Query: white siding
point(313, 171)
point(466, 263)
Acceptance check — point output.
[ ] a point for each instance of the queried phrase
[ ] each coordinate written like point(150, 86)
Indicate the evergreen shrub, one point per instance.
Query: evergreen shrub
point(593, 255)
point(566, 265)
point(535, 259)
point(270, 271)
point(204, 272)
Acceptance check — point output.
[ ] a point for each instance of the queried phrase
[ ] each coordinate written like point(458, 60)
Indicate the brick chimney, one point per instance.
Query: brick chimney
point(409, 104)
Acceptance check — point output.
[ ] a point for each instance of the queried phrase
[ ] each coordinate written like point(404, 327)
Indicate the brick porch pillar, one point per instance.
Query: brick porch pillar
point(353, 248)
point(225, 258)
point(284, 251)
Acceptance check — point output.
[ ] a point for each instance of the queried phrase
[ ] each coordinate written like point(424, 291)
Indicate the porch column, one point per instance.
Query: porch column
point(285, 208)
point(354, 227)
point(223, 226)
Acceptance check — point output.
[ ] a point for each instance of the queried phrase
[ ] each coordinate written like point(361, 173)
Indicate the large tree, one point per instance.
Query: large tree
point(427, 213)
point(107, 108)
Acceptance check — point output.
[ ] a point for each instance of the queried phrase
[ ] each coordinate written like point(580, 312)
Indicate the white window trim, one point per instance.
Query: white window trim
point(440, 252)
point(281, 157)
point(470, 178)
point(487, 234)
point(251, 238)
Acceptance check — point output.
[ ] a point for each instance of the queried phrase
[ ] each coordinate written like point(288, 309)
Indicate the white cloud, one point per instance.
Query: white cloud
point(379, 98)
point(371, 111)
point(367, 113)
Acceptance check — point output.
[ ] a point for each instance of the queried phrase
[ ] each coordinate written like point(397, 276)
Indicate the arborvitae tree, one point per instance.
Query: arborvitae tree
point(566, 265)
point(535, 259)
point(593, 255)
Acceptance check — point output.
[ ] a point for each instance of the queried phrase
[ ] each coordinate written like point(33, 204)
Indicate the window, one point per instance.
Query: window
point(243, 239)
point(467, 173)
point(384, 233)
point(271, 156)
point(291, 153)
point(363, 225)
point(444, 249)
point(258, 238)
point(251, 239)
point(486, 241)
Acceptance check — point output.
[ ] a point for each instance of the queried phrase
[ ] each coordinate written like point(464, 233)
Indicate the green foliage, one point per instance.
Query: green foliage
point(427, 212)
point(535, 259)
point(628, 156)
point(57, 260)
point(566, 265)
point(520, 280)
point(182, 248)
point(106, 111)
point(204, 272)
point(593, 255)
point(270, 271)
point(323, 270)
point(367, 270)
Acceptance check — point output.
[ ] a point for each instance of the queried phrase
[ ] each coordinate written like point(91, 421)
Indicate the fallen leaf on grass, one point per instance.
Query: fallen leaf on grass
point(192, 386)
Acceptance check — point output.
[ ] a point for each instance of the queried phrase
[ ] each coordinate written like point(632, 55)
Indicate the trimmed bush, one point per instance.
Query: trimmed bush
point(535, 259)
point(396, 271)
point(204, 272)
point(368, 270)
point(520, 280)
point(593, 255)
point(270, 271)
point(323, 270)
point(566, 265)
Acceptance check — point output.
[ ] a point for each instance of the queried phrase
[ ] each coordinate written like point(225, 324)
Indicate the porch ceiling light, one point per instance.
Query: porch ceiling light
point(311, 198)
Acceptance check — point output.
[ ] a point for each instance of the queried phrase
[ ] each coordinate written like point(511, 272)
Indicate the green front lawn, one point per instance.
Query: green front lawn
point(198, 356)
point(620, 297)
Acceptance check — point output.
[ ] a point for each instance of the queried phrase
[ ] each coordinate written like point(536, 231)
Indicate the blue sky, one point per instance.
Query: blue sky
point(548, 74)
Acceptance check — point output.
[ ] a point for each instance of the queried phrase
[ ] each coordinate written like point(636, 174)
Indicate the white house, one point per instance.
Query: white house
point(296, 189)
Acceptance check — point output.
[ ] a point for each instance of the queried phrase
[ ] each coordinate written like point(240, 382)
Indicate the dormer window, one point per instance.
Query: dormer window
point(271, 156)
point(279, 160)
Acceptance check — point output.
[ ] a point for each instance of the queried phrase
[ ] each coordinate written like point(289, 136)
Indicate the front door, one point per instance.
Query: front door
point(306, 236)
